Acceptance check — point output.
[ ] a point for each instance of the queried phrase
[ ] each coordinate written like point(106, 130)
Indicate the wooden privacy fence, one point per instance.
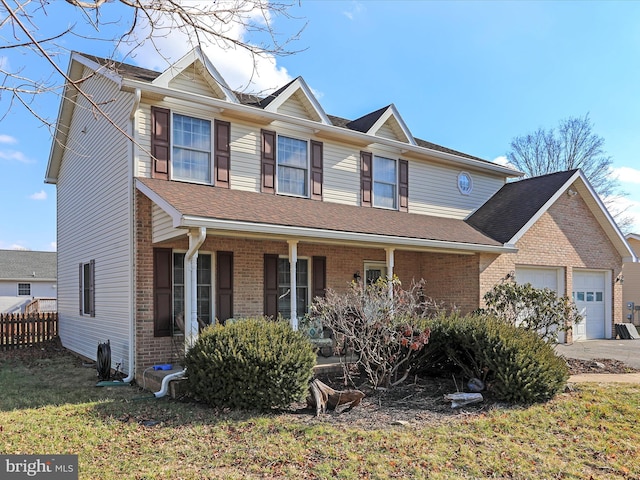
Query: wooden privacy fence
point(24, 330)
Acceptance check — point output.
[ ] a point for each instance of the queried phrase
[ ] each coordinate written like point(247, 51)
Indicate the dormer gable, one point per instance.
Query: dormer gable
point(196, 68)
point(296, 99)
point(385, 123)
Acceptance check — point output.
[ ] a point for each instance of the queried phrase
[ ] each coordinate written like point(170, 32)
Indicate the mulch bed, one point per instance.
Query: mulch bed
point(416, 401)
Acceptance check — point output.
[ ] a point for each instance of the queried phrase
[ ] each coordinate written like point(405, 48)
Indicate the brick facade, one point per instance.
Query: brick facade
point(566, 236)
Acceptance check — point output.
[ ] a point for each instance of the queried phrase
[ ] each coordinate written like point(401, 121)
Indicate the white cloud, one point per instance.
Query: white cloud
point(54, 246)
point(41, 195)
point(16, 246)
point(14, 155)
point(356, 8)
point(627, 174)
point(241, 70)
point(7, 139)
point(502, 160)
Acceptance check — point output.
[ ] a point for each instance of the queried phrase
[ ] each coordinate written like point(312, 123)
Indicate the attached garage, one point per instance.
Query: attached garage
point(592, 294)
point(542, 277)
point(552, 278)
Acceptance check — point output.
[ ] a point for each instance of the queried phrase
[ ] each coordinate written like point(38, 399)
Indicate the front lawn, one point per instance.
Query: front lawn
point(51, 406)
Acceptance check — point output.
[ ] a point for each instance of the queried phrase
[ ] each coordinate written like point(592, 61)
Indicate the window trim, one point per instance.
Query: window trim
point(87, 273)
point(374, 265)
point(462, 190)
point(396, 185)
point(211, 150)
point(22, 284)
point(307, 185)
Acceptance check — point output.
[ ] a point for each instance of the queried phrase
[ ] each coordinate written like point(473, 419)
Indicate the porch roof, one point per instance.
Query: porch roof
point(192, 205)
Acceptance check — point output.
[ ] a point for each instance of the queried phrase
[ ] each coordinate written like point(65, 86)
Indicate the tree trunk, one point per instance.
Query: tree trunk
point(322, 396)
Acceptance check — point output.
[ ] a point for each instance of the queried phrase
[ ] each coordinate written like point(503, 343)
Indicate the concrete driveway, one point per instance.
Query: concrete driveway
point(627, 351)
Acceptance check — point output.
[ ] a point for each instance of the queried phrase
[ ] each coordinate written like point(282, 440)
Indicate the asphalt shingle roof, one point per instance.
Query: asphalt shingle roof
point(504, 214)
point(22, 264)
point(228, 204)
point(360, 124)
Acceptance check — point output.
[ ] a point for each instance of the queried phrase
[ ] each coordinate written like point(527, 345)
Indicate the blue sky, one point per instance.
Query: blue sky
point(466, 75)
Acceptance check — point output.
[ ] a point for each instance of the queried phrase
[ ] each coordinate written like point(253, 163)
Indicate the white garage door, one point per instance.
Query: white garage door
point(538, 277)
point(590, 296)
point(542, 278)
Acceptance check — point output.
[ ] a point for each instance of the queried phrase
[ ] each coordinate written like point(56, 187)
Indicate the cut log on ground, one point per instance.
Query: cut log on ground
point(322, 396)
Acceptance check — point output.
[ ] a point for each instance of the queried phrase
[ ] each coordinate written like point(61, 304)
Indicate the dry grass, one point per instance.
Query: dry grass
point(50, 405)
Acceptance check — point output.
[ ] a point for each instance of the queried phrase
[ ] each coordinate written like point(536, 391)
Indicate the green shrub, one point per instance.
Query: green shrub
point(516, 364)
point(250, 364)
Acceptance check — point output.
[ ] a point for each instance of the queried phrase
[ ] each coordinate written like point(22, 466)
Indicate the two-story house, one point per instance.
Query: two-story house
point(193, 203)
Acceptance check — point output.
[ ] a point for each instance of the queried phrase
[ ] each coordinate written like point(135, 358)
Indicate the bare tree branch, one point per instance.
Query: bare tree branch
point(572, 145)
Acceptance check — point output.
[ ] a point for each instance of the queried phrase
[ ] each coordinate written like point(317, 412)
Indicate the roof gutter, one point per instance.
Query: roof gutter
point(362, 138)
point(189, 221)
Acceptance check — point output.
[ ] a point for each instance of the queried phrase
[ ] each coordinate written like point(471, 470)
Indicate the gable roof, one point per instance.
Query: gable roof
point(373, 121)
point(27, 265)
point(513, 209)
point(147, 76)
point(193, 205)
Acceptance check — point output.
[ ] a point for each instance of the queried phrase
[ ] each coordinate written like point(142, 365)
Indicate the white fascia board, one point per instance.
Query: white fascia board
point(632, 236)
point(392, 111)
point(67, 107)
point(189, 221)
point(175, 215)
point(299, 84)
point(543, 209)
point(317, 127)
point(195, 54)
point(579, 175)
point(103, 70)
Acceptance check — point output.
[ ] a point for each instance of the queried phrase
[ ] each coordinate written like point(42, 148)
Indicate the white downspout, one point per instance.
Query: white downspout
point(196, 239)
point(132, 249)
point(293, 261)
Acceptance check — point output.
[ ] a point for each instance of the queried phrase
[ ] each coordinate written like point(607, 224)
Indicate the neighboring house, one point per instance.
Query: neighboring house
point(223, 204)
point(631, 286)
point(26, 276)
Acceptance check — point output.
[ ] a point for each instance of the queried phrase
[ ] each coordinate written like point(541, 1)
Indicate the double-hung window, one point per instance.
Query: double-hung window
point(385, 180)
point(24, 289)
point(191, 159)
point(293, 166)
point(204, 288)
point(284, 287)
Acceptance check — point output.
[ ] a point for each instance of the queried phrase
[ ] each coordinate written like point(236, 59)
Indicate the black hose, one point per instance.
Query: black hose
point(103, 361)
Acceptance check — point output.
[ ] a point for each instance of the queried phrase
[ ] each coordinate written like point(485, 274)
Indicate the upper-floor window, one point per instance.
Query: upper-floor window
point(24, 289)
point(191, 160)
point(292, 166)
point(465, 183)
point(385, 181)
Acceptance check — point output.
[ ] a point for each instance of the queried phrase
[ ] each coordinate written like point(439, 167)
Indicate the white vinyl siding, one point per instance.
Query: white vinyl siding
point(385, 131)
point(433, 190)
point(433, 187)
point(295, 107)
point(163, 225)
point(192, 80)
point(94, 222)
point(341, 174)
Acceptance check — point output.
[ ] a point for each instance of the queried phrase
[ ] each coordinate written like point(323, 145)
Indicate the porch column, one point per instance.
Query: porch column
point(293, 260)
point(390, 262)
point(196, 239)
